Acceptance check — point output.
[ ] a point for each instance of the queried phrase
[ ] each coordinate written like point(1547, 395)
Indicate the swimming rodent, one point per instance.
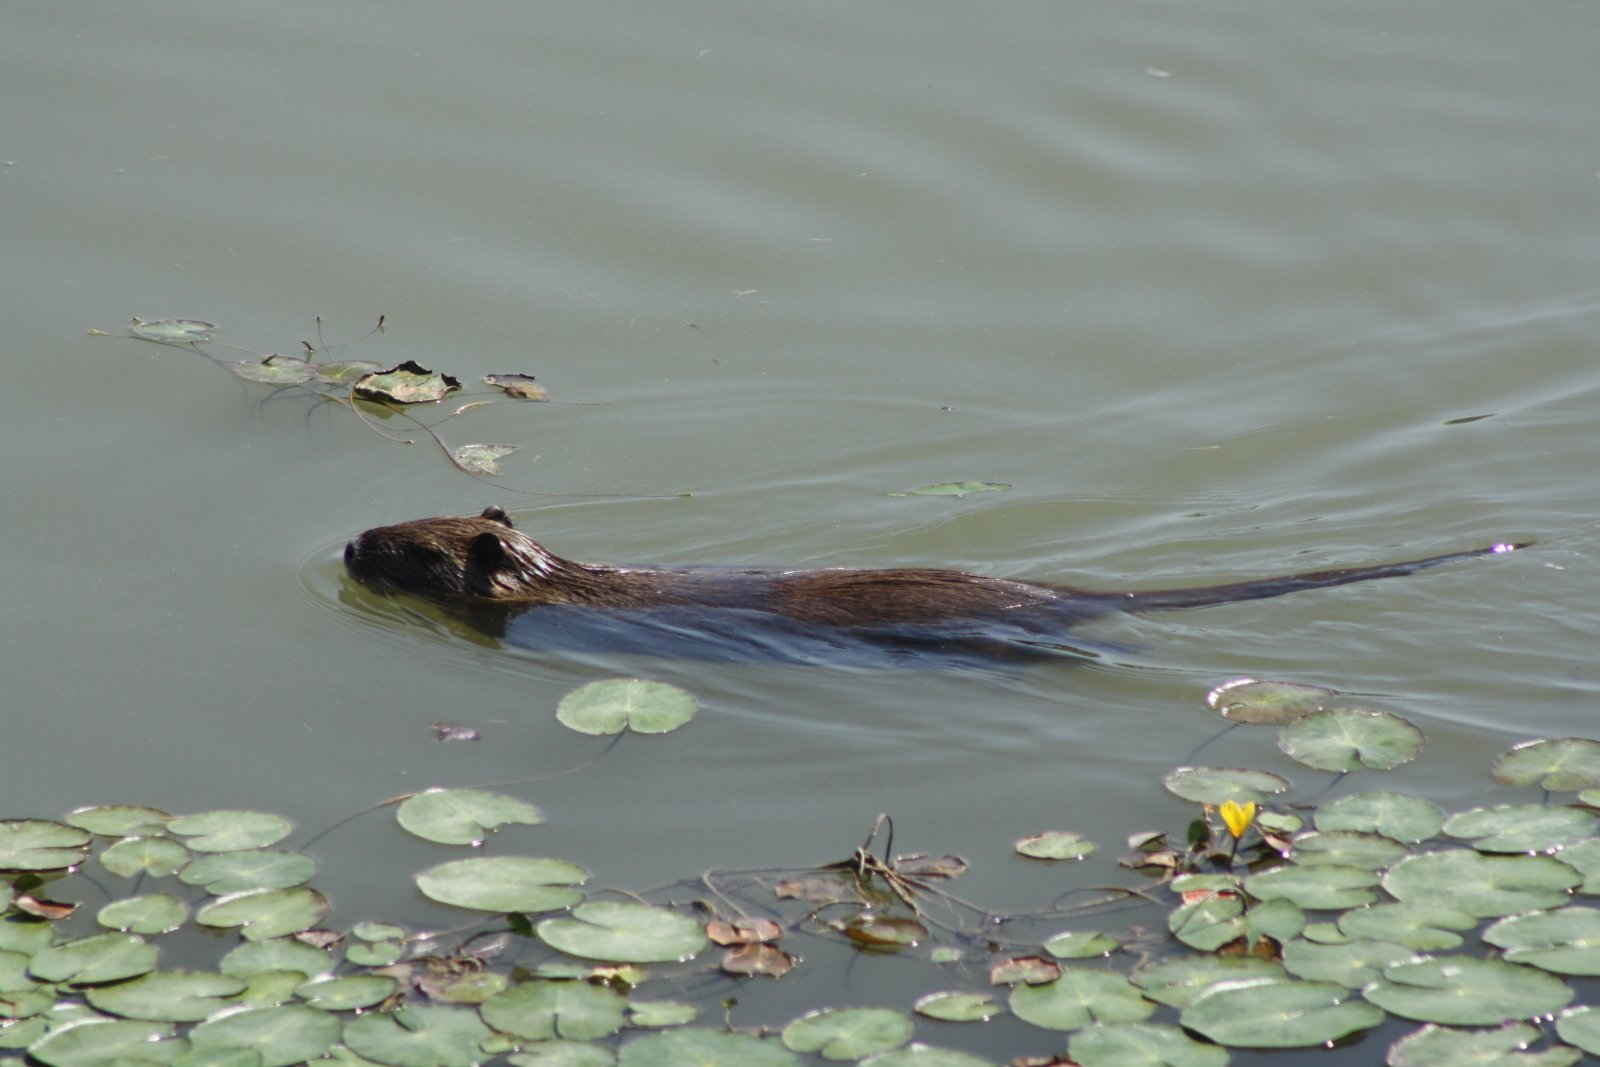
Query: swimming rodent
point(492, 573)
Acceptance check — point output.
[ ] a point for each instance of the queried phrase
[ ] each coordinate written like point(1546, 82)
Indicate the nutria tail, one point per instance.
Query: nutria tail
point(1262, 588)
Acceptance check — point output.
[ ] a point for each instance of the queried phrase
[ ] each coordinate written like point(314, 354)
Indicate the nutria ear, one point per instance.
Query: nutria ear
point(486, 553)
point(496, 513)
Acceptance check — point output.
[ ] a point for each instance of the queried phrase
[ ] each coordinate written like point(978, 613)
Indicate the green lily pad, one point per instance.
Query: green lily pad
point(848, 1033)
point(97, 1042)
point(1580, 1026)
point(166, 996)
point(283, 954)
point(463, 816)
point(1403, 818)
point(120, 820)
point(345, 371)
point(1347, 739)
point(1267, 703)
point(231, 831)
point(1078, 998)
point(1419, 927)
point(425, 1035)
point(1346, 848)
point(1352, 964)
point(1462, 991)
point(346, 994)
point(540, 1010)
point(483, 459)
point(1318, 887)
point(1521, 827)
point(376, 954)
point(1055, 845)
point(1483, 886)
point(282, 1036)
point(1560, 765)
point(1177, 982)
point(405, 383)
point(376, 931)
point(1141, 1045)
point(1277, 1013)
point(1214, 785)
point(624, 933)
point(563, 1054)
point(613, 705)
point(1209, 924)
point(261, 914)
point(89, 960)
point(704, 1048)
point(958, 1007)
point(1081, 945)
point(1436, 1046)
point(41, 845)
point(1563, 940)
point(234, 872)
point(276, 370)
point(505, 883)
point(157, 913)
point(917, 1054)
point(26, 936)
point(658, 1013)
point(158, 857)
point(172, 331)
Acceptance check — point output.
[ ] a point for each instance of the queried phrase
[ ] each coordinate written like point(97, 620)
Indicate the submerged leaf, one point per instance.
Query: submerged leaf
point(172, 331)
point(955, 489)
point(483, 459)
point(276, 370)
point(521, 386)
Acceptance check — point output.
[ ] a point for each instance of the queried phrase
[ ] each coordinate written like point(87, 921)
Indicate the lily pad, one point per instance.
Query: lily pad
point(276, 370)
point(610, 706)
point(624, 933)
point(1403, 818)
point(1209, 924)
point(155, 856)
point(521, 386)
point(156, 913)
point(540, 1010)
point(1483, 886)
point(1560, 765)
point(661, 1012)
point(1277, 1013)
point(1268, 703)
point(1347, 739)
point(172, 331)
point(1505, 1046)
point(1141, 1045)
point(1346, 848)
point(346, 994)
point(1521, 827)
point(261, 914)
point(424, 1035)
point(41, 845)
point(481, 458)
point(563, 1054)
point(1352, 964)
point(1580, 1026)
point(848, 1033)
point(95, 1042)
point(281, 1035)
point(917, 1054)
point(1421, 927)
point(1462, 991)
point(1081, 945)
point(1315, 888)
point(167, 996)
point(704, 1048)
point(90, 960)
point(1214, 785)
point(463, 816)
point(265, 957)
point(505, 883)
point(958, 1007)
point(231, 831)
point(405, 383)
point(1563, 940)
point(344, 371)
point(119, 820)
point(1177, 982)
point(233, 872)
point(1055, 845)
point(1078, 998)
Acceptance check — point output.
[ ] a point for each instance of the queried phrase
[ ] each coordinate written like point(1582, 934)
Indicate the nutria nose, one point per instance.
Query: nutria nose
point(350, 555)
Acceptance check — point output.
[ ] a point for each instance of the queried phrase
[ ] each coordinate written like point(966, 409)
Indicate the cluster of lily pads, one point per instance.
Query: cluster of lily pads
point(1276, 927)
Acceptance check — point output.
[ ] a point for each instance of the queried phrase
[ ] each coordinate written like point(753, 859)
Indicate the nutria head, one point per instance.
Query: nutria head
point(455, 559)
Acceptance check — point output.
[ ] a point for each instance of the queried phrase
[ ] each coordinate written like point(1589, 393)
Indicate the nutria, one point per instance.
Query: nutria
point(492, 573)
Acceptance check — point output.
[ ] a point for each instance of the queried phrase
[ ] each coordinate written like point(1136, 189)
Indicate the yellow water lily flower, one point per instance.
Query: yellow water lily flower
point(1237, 816)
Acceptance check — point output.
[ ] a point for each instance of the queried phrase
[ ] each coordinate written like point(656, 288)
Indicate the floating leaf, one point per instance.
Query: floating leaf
point(119, 820)
point(1581, 1027)
point(1352, 964)
point(563, 1054)
point(260, 914)
point(1483, 886)
point(425, 1035)
point(1080, 946)
point(101, 958)
point(232, 872)
point(608, 707)
point(231, 831)
point(405, 383)
point(281, 1035)
point(1264, 702)
point(1563, 940)
point(1559, 765)
point(661, 1012)
point(1209, 924)
point(1177, 982)
point(172, 331)
point(917, 1054)
point(1318, 887)
point(958, 1007)
point(1347, 848)
point(481, 458)
point(505, 883)
point(155, 856)
point(521, 386)
point(1055, 845)
point(1585, 856)
point(540, 1010)
point(625, 933)
point(157, 913)
point(1521, 827)
point(1150, 1044)
point(265, 957)
point(374, 931)
point(276, 370)
point(1078, 998)
point(40, 845)
point(955, 489)
point(342, 372)
point(704, 1048)
point(1461, 991)
point(95, 1042)
point(166, 996)
point(1435, 1046)
point(1277, 1013)
point(1421, 927)
point(1395, 815)
point(1347, 739)
point(347, 993)
point(1214, 785)
point(463, 816)
point(848, 1033)
point(884, 931)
